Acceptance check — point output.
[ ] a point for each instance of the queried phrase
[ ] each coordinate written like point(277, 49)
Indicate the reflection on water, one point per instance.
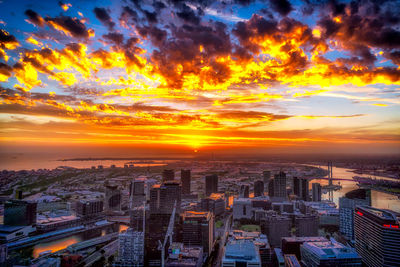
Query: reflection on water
point(379, 199)
point(63, 243)
point(22, 162)
point(55, 245)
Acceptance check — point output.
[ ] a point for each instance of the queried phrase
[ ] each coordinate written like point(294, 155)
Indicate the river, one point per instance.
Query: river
point(64, 242)
point(379, 199)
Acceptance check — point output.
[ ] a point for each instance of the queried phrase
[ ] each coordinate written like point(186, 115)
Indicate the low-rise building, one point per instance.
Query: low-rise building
point(331, 253)
point(184, 256)
point(241, 253)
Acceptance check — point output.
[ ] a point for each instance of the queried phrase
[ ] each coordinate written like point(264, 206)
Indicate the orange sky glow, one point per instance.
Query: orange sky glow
point(241, 81)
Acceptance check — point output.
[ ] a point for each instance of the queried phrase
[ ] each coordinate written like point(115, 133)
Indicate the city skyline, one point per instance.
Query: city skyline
point(150, 77)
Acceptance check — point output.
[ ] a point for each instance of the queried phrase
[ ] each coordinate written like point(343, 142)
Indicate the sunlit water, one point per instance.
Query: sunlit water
point(63, 243)
point(379, 199)
point(25, 163)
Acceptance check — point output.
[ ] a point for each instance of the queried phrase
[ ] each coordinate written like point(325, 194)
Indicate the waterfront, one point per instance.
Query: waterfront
point(29, 164)
point(63, 243)
point(379, 199)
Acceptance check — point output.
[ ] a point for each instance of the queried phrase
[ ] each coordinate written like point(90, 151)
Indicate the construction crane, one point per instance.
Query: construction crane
point(168, 235)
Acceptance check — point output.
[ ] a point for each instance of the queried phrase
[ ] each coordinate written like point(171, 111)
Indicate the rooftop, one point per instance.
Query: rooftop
point(306, 239)
point(196, 214)
point(330, 249)
point(216, 196)
point(242, 250)
point(381, 213)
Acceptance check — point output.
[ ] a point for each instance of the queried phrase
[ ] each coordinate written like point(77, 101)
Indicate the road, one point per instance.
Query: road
point(222, 241)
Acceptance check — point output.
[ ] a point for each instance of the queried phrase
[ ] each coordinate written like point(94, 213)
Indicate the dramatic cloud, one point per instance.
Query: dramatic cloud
point(104, 17)
point(201, 73)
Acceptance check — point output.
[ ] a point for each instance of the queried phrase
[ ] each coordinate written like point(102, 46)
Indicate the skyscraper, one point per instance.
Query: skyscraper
point(19, 213)
point(305, 190)
point(280, 186)
point(347, 204)
point(258, 188)
point(137, 192)
point(198, 230)
point(185, 180)
point(266, 179)
point(163, 197)
point(131, 249)
point(377, 236)
point(244, 191)
point(316, 192)
point(168, 175)
point(271, 188)
point(113, 198)
point(300, 188)
point(211, 184)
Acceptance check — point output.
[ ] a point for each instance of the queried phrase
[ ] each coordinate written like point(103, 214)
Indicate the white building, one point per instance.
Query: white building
point(131, 249)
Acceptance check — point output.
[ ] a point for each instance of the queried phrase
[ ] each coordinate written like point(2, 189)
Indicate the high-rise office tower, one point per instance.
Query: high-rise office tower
point(137, 194)
point(131, 249)
point(258, 188)
point(347, 204)
point(305, 191)
point(113, 198)
point(377, 236)
point(280, 186)
point(185, 180)
point(163, 197)
point(300, 188)
point(198, 229)
point(266, 179)
point(19, 213)
point(316, 192)
point(168, 175)
point(211, 184)
point(271, 188)
point(244, 191)
point(215, 203)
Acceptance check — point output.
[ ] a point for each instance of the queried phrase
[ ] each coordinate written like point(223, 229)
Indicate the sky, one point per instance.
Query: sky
point(139, 77)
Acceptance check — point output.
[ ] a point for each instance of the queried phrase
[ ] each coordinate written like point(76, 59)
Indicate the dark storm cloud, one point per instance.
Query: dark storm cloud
point(114, 37)
point(394, 56)
point(367, 22)
point(72, 25)
point(34, 17)
point(5, 70)
point(104, 17)
point(187, 14)
point(283, 7)
point(128, 16)
point(5, 37)
point(151, 16)
point(156, 35)
point(254, 27)
point(184, 48)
